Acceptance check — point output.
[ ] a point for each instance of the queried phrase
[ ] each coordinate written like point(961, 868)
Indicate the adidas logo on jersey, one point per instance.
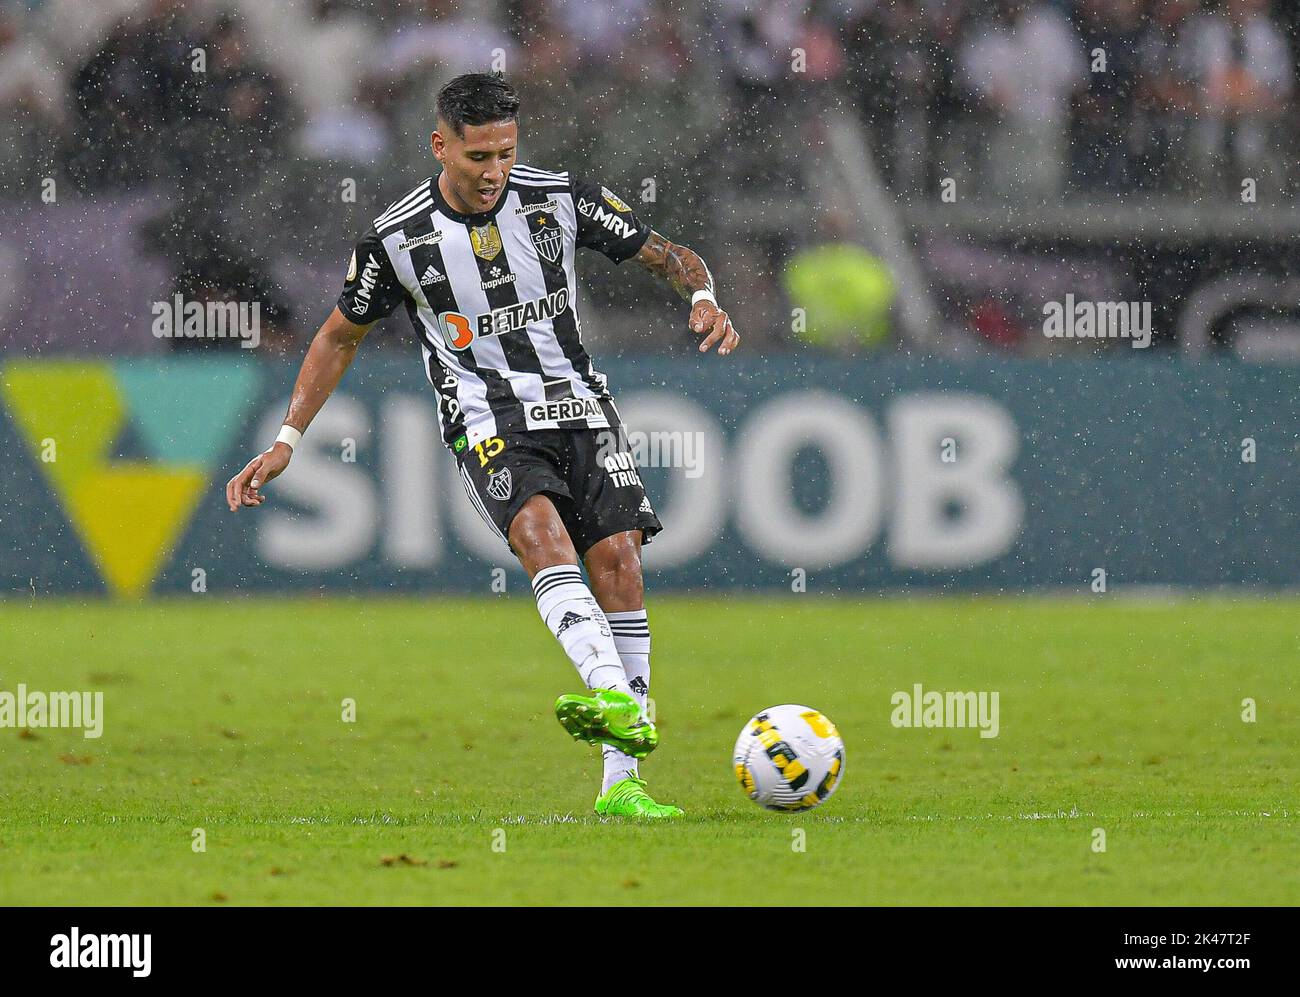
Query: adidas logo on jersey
point(431, 276)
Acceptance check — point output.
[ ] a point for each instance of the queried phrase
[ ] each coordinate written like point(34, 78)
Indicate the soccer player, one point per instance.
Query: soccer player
point(482, 257)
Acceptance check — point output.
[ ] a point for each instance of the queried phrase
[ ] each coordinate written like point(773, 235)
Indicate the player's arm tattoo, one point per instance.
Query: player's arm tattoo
point(681, 267)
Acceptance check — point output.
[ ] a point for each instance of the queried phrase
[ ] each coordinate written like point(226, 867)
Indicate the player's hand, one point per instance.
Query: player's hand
point(711, 322)
point(242, 489)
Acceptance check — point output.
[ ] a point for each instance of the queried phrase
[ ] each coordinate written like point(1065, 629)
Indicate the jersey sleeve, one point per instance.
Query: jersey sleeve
point(606, 223)
point(371, 289)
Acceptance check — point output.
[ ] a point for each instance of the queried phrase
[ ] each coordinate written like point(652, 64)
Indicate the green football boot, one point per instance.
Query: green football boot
point(607, 717)
point(628, 798)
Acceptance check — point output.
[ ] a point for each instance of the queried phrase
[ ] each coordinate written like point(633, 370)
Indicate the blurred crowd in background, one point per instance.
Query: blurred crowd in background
point(705, 115)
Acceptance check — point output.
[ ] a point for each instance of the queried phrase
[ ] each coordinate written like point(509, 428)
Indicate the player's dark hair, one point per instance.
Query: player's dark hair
point(477, 99)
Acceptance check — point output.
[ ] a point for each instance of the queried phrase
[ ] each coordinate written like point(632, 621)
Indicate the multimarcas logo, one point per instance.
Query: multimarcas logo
point(127, 449)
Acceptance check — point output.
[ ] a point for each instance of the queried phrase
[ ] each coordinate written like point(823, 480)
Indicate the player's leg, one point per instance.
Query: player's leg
point(514, 481)
point(611, 716)
point(540, 541)
point(614, 567)
point(611, 518)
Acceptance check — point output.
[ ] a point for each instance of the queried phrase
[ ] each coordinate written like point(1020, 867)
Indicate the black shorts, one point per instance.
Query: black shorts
point(590, 475)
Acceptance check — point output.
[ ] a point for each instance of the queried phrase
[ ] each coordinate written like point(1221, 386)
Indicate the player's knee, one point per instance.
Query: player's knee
point(620, 571)
point(538, 531)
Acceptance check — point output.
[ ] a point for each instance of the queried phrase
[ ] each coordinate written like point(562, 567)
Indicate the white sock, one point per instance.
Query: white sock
point(573, 616)
point(632, 640)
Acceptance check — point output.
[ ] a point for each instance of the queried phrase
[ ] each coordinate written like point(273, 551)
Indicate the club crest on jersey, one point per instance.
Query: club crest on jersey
point(352, 266)
point(486, 241)
point(547, 241)
point(500, 485)
point(460, 331)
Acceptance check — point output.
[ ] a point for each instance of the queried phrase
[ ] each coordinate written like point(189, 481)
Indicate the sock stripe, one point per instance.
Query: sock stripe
point(547, 589)
point(557, 571)
point(543, 585)
point(633, 623)
point(568, 577)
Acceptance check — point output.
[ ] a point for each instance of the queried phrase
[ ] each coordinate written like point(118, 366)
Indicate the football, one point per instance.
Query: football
point(789, 758)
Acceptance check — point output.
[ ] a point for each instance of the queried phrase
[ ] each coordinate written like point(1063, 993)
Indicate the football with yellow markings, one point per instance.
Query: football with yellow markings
point(789, 758)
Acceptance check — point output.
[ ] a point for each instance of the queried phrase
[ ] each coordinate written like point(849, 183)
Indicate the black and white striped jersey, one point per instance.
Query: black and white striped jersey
point(493, 299)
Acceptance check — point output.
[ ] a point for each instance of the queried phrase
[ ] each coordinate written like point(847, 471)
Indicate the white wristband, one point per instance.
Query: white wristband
point(699, 296)
point(290, 436)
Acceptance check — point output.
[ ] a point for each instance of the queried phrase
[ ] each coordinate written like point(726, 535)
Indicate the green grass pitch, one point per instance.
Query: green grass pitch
point(226, 716)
